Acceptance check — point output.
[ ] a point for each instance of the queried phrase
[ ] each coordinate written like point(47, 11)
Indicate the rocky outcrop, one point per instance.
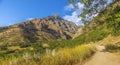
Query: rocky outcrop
point(49, 28)
point(78, 33)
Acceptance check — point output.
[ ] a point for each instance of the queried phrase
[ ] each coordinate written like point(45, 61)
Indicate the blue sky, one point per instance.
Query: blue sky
point(16, 11)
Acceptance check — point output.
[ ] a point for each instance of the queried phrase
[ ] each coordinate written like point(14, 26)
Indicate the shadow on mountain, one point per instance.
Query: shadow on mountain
point(29, 31)
point(67, 36)
point(52, 27)
point(53, 33)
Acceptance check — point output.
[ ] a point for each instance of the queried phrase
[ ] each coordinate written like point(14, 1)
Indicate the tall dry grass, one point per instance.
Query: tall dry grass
point(65, 56)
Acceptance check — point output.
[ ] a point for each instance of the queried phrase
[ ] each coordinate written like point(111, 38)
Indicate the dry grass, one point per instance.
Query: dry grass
point(65, 56)
point(19, 48)
point(111, 40)
point(112, 43)
point(15, 48)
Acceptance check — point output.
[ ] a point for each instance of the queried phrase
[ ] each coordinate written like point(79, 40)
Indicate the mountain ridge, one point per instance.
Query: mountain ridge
point(48, 28)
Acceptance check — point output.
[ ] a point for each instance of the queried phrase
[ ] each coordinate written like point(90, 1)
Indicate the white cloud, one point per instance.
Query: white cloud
point(74, 16)
point(69, 7)
point(80, 5)
point(30, 18)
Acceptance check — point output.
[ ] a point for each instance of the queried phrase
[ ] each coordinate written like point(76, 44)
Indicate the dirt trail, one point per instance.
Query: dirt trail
point(104, 58)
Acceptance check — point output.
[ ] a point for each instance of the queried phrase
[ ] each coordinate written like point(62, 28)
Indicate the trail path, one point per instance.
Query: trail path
point(104, 58)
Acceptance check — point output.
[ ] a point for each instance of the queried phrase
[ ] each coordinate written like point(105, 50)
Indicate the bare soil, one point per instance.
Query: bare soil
point(103, 57)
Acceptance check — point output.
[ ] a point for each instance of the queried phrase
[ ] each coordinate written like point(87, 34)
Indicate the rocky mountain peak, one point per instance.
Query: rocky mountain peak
point(54, 17)
point(48, 28)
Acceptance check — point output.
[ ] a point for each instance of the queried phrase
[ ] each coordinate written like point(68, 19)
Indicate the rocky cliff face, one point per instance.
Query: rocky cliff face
point(49, 28)
point(78, 33)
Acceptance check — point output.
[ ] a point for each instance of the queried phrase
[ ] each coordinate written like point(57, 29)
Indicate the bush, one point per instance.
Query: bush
point(10, 51)
point(24, 45)
point(112, 47)
point(3, 47)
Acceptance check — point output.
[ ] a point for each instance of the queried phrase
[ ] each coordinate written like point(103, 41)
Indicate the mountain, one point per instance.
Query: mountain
point(49, 28)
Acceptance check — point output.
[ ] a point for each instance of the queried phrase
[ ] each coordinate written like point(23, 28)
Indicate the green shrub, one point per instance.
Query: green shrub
point(112, 47)
point(3, 47)
point(24, 45)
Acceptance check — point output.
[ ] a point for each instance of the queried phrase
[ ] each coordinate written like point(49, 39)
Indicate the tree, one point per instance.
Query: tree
point(91, 8)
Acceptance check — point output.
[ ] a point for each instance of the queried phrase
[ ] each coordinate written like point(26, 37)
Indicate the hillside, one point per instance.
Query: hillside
point(49, 28)
point(107, 22)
